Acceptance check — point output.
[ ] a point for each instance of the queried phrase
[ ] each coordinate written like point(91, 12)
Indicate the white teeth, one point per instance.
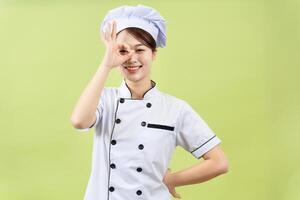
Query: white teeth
point(130, 67)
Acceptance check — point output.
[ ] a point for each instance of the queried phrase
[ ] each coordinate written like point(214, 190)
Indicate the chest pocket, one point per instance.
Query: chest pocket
point(161, 126)
point(159, 139)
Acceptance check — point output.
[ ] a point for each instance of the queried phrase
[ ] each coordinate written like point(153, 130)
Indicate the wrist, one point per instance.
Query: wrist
point(173, 179)
point(105, 67)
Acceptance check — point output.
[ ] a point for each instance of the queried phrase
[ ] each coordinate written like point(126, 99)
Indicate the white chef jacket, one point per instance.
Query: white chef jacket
point(134, 141)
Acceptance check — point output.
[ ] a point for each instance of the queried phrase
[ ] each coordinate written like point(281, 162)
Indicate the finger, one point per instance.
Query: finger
point(122, 51)
point(176, 195)
point(102, 36)
point(109, 31)
point(125, 59)
point(106, 33)
point(127, 56)
point(124, 46)
point(114, 30)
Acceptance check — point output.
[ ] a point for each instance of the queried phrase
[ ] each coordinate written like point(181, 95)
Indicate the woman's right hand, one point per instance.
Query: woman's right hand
point(114, 55)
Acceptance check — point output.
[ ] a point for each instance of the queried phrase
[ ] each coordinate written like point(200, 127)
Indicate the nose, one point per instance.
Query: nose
point(133, 57)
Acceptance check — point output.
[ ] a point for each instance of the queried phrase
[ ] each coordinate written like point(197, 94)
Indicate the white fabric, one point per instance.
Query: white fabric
point(139, 16)
point(189, 131)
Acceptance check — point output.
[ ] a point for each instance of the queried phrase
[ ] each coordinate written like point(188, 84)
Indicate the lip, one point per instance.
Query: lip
point(132, 69)
point(133, 66)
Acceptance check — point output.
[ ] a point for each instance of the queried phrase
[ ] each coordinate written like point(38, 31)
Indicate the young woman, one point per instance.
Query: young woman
point(137, 127)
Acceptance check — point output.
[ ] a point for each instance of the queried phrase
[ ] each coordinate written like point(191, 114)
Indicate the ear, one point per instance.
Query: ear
point(154, 55)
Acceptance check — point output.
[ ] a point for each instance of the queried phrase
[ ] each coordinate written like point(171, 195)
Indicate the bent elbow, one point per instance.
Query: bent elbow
point(223, 167)
point(76, 123)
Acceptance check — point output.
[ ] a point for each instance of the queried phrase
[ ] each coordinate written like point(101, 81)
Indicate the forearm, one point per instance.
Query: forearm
point(85, 107)
point(198, 173)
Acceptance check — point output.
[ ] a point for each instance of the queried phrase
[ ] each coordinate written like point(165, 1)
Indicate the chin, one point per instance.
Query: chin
point(134, 78)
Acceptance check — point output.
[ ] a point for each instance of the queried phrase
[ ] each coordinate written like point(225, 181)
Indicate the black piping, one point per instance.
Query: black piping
point(110, 148)
point(96, 119)
point(153, 84)
point(128, 89)
point(204, 143)
point(92, 125)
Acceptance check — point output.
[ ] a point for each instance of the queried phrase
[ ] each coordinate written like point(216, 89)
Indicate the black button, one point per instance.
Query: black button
point(139, 192)
point(148, 105)
point(113, 142)
point(118, 121)
point(143, 123)
point(141, 146)
point(111, 189)
point(139, 169)
point(112, 165)
point(122, 100)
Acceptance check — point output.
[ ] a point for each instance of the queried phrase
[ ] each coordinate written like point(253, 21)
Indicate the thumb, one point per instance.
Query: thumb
point(127, 56)
point(177, 195)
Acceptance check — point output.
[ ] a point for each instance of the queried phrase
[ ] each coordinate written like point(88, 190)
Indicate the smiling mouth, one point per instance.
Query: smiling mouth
point(132, 69)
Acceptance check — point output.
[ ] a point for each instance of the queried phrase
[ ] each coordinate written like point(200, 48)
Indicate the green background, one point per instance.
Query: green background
point(236, 63)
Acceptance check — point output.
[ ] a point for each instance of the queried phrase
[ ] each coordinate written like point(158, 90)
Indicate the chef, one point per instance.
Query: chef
point(136, 135)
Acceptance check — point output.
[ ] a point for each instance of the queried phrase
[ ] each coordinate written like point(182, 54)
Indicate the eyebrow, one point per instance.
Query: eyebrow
point(137, 45)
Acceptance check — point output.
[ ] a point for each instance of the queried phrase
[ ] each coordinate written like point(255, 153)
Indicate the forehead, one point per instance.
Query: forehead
point(125, 37)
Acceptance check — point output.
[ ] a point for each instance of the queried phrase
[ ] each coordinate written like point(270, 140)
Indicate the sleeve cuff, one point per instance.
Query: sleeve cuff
point(205, 147)
point(96, 122)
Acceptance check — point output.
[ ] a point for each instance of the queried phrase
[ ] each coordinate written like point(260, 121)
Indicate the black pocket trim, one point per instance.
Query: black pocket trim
point(159, 126)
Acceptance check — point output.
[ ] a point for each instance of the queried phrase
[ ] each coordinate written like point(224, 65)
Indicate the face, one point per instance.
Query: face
point(137, 67)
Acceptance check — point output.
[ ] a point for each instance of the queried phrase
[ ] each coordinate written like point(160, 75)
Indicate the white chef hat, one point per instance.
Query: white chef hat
point(139, 16)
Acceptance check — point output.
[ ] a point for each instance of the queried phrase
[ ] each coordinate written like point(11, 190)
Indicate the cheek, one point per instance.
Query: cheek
point(146, 60)
point(120, 69)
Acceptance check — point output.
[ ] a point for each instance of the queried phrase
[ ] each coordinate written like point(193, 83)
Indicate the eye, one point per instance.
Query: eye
point(140, 50)
point(123, 51)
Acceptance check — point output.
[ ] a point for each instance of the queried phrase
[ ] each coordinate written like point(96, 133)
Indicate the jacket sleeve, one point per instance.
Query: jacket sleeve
point(98, 112)
point(193, 134)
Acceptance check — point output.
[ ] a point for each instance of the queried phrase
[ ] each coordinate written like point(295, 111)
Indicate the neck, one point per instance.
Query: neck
point(138, 89)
